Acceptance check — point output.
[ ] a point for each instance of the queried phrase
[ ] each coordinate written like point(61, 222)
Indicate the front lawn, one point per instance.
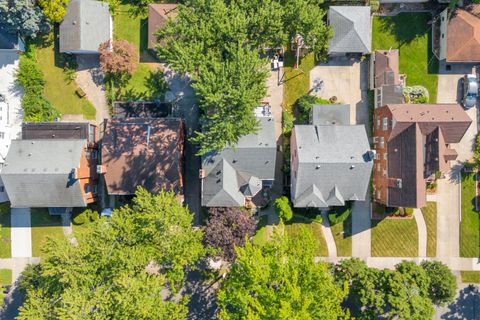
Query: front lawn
point(296, 81)
point(60, 90)
point(469, 226)
point(411, 34)
point(294, 227)
point(470, 276)
point(261, 235)
point(394, 238)
point(5, 244)
point(44, 225)
point(5, 277)
point(430, 216)
point(342, 232)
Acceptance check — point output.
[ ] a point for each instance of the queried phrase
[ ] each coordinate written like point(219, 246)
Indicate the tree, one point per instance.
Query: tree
point(443, 284)
point(24, 17)
point(121, 268)
point(54, 10)
point(228, 228)
point(280, 280)
point(118, 58)
point(283, 208)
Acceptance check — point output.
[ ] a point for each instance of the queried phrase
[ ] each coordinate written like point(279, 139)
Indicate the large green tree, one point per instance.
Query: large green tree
point(121, 268)
point(443, 284)
point(280, 280)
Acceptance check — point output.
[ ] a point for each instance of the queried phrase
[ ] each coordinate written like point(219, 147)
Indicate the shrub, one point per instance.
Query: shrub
point(408, 211)
point(80, 219)
point(374, 5)
point(319, 218)
point(283, 208)
point(339, 215)
point(287, 123)
point(88, 215)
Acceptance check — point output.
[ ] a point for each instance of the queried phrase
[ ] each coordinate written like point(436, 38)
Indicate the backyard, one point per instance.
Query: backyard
point(470, 224)
point(410, 33)
point(5, 245)
point(43, 226)
point(297, 81)
point(430, 216)
point(394, 238)
point(59, 86)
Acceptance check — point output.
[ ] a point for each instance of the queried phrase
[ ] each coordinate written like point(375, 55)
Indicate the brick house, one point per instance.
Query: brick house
point(412, 142)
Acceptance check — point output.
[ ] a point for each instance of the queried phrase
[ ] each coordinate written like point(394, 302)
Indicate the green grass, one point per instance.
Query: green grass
point(261, 235)
point(430, 216)
point(470, 225)
point(297, 82)
point(43, 226)
point(342, 233)
point(294, 227)
point(5, 244)
point(59, 91)
point(411, 34)
point(5, 276)
point(394, 238)
point(470, 276)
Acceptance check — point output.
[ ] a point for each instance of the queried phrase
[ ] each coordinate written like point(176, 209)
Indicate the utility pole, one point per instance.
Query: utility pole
point(299, 42)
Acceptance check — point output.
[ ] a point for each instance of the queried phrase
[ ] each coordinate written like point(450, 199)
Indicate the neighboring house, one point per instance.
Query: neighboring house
point(386, 81)
point(86, 25)
point(158, 15)
point(352, 30)
point(330, 114)
point(330, 164)
point(412, 142)
point(10, 42)
point(233, 177)
point(145, 152)
point(457, 40)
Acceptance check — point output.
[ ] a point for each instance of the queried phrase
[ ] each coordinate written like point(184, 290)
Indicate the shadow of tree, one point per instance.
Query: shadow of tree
point(466, 306)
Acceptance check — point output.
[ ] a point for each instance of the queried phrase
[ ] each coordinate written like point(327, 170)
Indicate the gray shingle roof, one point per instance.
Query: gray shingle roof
point(326, 114)
point(333, 165)
point(37, 173)
point(352, 30)
point(236, 172)
point(86, 25)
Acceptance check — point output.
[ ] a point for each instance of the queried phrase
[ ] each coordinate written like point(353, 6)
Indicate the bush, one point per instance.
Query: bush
point(283, 208)
point(374, 5)
point(319, 218)
point(88, 215)
point(408, 211)
point(287, 123)
point(339, 215)
point(80, 219)
point(416, 94)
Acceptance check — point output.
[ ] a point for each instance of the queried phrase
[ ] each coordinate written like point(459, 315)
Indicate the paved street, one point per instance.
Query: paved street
point(21, 233)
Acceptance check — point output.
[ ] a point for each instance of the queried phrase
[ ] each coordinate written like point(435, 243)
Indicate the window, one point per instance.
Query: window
point(375, 139)
point(385, 156)
point(384, 172)
point(382, 142)
point(94, 154)
point(2, 189)
point(87, 188)
point(2, 135)
point(88, 155)
point(378, 122)
point(385, 124)
point(94, 189)
point(375, 156)
point(378, 194)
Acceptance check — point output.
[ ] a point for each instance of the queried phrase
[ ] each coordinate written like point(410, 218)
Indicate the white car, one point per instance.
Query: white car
point(470, 91)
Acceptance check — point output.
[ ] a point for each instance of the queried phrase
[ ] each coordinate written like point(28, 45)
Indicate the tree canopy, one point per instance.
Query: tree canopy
point(280, 280)
point(222, 55)
point(24, 17)
point(118, 58)
point(54, 10)
point(122, 268)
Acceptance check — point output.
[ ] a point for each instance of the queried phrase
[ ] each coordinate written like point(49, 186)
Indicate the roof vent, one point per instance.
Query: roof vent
point(352, 167)
point(74, 22)
point(317, 166)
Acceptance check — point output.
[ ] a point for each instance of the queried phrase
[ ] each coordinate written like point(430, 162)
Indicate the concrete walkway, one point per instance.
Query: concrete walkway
point(422, 232)
point(327, 232)
point(21, 233)
point(361, 228)
point(17, 265)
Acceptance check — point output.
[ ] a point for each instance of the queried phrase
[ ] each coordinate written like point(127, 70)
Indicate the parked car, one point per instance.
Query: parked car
point(470, 91)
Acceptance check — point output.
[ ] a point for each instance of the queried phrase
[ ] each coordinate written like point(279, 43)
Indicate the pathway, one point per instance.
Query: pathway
point(91, 80)
point(21, 233)
point(422, 232)
point(361, 228)
point(448, 217)
point(327, 232)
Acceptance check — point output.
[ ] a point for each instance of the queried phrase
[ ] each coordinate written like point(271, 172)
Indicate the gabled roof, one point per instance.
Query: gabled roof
point(39, 173)
point(463, 36)
point(158, 15)
point(334, 164)
point(143, 152)
point(327, 114)
point(86, 25)
point(352, 31)
point(252, 160)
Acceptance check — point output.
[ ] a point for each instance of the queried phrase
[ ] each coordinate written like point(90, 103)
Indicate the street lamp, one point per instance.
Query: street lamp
point(299, 42)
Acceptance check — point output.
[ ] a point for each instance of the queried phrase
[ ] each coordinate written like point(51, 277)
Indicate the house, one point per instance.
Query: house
point(86, 25)
point(52, 173)
point(386, 81)
point(10, 42)
point(145, 152)
point(352, 30)
point(330, 114)
point(330, 164)
point(458, 35)
point(412, 142)
point(233, 177)
point(158, 15)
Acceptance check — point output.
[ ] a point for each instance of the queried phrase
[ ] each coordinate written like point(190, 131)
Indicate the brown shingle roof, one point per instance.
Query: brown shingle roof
point(463, 37)
point(143, 152)
point(386, 68)
point(158, 14)
point(58, 130)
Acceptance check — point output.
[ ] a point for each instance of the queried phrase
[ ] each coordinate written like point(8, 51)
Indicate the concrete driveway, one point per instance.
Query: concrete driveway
point(348, 81)
point(449, 88)
point(21, 233)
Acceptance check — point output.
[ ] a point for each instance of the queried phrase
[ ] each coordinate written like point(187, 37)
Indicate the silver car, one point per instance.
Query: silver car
point(470, 91)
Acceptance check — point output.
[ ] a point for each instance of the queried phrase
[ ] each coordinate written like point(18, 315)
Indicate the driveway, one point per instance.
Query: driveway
point(361, 228)
point(348, 81)
point(21, 233)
